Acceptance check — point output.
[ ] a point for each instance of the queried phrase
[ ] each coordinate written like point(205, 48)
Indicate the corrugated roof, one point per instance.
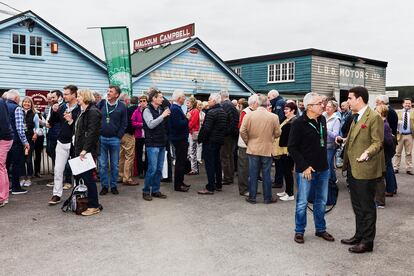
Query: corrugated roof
point(306, 52)
point(141, 61)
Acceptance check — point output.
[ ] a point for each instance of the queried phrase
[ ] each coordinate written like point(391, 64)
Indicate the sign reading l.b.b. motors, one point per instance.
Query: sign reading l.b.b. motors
point(164, 37)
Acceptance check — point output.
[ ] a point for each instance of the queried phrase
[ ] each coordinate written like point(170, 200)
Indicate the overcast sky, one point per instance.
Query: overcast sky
point(380, 29)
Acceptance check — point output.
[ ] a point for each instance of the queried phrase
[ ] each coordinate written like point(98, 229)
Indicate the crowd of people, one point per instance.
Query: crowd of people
point(149, 136)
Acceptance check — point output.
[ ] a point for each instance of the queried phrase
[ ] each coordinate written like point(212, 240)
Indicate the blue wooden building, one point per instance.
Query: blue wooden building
point(35, 56)
point(189, 65)
point(296, 73)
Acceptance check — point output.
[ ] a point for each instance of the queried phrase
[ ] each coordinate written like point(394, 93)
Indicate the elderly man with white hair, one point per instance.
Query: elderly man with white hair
point(211, 135)
point(308, 147)
point(392, 117)
point(20, 145)
point(178, 135)
point(258, 131)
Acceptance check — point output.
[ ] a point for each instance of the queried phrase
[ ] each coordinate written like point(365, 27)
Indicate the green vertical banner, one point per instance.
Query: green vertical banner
point(117, 55)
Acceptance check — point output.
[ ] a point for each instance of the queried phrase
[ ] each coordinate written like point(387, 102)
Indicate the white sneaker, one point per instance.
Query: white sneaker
point(22, 183)
point(51, 184)
point(287, 198)
point(281, 194)
point(4, 203)
point(27, 183)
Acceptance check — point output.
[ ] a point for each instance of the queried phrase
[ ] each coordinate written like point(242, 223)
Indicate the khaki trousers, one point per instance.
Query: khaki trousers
point(126, 157)
point(406, 142)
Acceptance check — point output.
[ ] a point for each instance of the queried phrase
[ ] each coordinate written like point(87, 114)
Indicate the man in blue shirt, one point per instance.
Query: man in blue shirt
point(178, 136)
point(114, 123)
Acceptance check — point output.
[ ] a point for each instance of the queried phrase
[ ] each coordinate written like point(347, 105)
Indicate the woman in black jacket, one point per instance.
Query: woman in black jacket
point(86, 140)
point(282, 151)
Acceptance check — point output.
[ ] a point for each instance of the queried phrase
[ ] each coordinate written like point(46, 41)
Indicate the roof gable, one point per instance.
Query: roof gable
point(144, 62)
point(47, 26)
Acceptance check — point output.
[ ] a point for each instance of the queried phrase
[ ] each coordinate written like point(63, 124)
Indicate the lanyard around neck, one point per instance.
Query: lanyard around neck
point(320, 132)
point(107, 109)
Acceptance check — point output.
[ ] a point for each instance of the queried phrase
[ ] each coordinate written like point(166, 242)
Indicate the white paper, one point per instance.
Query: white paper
point(80, 166)
point(165, 166)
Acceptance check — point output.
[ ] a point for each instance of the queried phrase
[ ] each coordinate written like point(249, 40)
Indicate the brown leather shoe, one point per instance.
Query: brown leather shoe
point(389, 194)
point(131, 183)
point(273, 200)
point(351, 241)
point(410, 173)
point(360, 248)
point(326, 236)
point(54, 200)
point(299, 238)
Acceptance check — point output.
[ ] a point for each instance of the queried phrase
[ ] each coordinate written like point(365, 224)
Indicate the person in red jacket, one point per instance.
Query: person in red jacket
point(193, 116)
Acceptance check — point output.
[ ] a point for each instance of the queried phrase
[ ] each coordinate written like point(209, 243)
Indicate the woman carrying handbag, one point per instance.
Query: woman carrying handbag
point(86, 140)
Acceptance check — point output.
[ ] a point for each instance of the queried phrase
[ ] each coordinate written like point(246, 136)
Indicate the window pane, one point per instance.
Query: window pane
point(15, 38)
point(271, 72)
point(277, 75)
point(22, 49)
point(32, 40)
point(32, 51)
point(15, 49)
point(39, 51)
point(22, 39)
point(284, 71)
point(291, 71)
point(39, 41)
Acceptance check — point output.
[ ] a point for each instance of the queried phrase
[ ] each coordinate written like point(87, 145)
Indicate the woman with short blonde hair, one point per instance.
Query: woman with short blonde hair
point(86, 140)
point(87, 96)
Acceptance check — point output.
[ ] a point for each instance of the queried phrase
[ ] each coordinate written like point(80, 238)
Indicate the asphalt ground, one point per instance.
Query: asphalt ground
point(191, 234)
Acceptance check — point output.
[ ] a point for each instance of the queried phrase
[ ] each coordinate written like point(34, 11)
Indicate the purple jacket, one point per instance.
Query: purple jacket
point(137, 123)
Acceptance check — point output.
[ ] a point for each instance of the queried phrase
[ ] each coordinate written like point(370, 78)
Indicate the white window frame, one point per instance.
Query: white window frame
point(281, 72)
point(27, 46)
point(237, 70)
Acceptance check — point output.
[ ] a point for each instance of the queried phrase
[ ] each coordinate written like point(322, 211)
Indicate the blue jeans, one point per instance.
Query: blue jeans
point(320, 182)
point(331, 164)
point(390, 180)
point(109, 150)
point(15, 162)
point(154, 171)
point(255, 164)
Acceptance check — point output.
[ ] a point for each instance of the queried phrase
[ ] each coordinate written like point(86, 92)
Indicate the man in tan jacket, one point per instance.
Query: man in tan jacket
point(364, 163)
point(405, 136)
point(258, 130)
